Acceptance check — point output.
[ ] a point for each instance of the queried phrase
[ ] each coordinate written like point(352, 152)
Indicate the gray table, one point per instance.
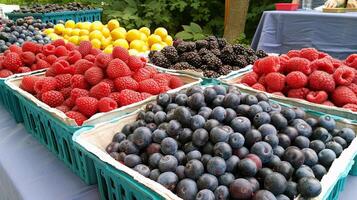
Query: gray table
point(333, 33)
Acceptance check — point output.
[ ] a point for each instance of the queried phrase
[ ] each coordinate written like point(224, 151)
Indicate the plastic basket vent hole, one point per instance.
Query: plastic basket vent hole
point(32, 122)
point(53, 137)
point(112, 184)
point(104, 186)
point(66, 151)
point(43, 132)
point(122, 192)
point(133, 197)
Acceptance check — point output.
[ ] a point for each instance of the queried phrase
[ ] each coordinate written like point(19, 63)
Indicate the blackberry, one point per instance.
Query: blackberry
point(210, 74)
point(201, 44)
point(252, 59)
point(213, 44)
point(170, 53)
point(160, 60)
point(224, 70)
point(182, 66)
point(216, 52)
point(211, 60)
point(261, 53)
point(203, 51)
point(240, 61)
point(250, 51)
point(186, 47)
point(177, 42)
point(192, 58)
point(227, 55)
point(152, 53)
point(238, 49)
point(235, 68)
point(221, 42)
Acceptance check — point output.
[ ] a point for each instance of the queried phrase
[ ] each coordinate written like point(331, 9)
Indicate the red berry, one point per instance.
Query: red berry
point(268, 64)
point(110, 83)
point(296, 79)
point(76, 93)
point(12, 61)
point(87, 105)
point(94, 75)
point(309, 53)
point(107, 104)
point(95, 52)
point(58, 42)
point(45, 84)
point(127, 97)
point(293, 53)
point(82, 65)
point(351, 106)
point(63, 80)
point(23, 70)
point(52, 98)
point(90, 58)
point(117, 68)
point(41, 64)
point(61, 51)
point(353, 87)
point(121, 53)
point(324, 64)
point(317, 97)
point(258, 86)
point(66, 92)
point(63, 108)
point(343, 95)
point(126, 82)
point(145, 95)
point(149, 86)
point(78, 81)
point(85, 48)
point(298, 64)
point(70, 47)
point(275, 81)
point(100, 90)
point(51, 59)
point(115, 96)
point(351, 61)
point(16, 49)
point(344, 75)
point(250, 78)
point(175, 82)
point(79, 118)
point(74, 56)
point(63, 67)
point(320, 80)
point(135, 63)
point(142, 74)
point(41, 56)
point(31, 47)
point(299, 93)
point(102, 60)
point(28, 83)
point(50, 71)
point(28, 58)
point(328, 103)
point(48, 49)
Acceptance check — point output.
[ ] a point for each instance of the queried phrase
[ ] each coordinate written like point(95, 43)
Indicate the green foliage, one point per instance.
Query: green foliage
point(191, 32)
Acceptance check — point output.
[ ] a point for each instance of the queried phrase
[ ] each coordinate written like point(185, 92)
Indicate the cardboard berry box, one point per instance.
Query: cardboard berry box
point(54, 129)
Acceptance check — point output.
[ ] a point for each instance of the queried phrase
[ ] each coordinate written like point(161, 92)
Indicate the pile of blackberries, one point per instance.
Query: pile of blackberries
point(45, 8)
point(23, 29)
point(212, 56)
point(217, 143)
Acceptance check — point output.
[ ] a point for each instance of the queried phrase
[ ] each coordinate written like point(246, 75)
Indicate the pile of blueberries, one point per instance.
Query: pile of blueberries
point(23, 29)
point(217, 143)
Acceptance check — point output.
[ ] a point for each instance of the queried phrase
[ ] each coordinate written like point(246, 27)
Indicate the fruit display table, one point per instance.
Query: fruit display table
point(281, 31)
point(29, 171)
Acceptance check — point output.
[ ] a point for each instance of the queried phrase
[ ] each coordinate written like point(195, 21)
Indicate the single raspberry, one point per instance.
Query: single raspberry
point(48, 49)
point(70, 47)
point(152, 70)
point(74, 56)
point(51, 59)
point(52, 98)
point(63, 67)
point(127, 97)
point(31, 47)
point(261, 80)
point(142, 74)
point(63, 108)
point(324, 64)
point(94, 75)
point(79, 118)
point(85, 48)
point(320, 80)
point(28, 58)
point(269, 64)
point(69, 102)
point(100, 90)
point(258, 86)
point(41, 64)
point(66, 92)
point(58, 42)
point(12, 61)
point(351, 61)
point(82, 65)
point(299, 93)
point(50, 71)
point(250, 78)
point(16, 49)
point(79, 81)
point(343, 95)
point(95, 52)
point(126, 82)
point(121, 53)
point(351, 106)
point(110, 83)
point(256, 68)
point(175, 82)
point(275, 81)
point(117, 68)
point(293, 53)
point(162, 82)
point(298, 64)
point(77, 92)
point(115, 96)
point(162, 77)
point(317, 97)
point(344, 75)
point(61, 51)
point(41, 56)
point(328, 103)
point(135, 63)
point(102, 60)
point(149, 86)
point(88, 106)
point(28, 83)
point(107, 104)
point(296, 79)
point(45, 84)
point(323, 55)
point(63, 80)
point(23, 70)
point(90, 58)
point(309, 53)
point(283, 60)
point(353, 87)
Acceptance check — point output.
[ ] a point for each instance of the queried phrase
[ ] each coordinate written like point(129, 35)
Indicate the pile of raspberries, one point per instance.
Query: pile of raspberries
point(307, 74)
point(84, 81)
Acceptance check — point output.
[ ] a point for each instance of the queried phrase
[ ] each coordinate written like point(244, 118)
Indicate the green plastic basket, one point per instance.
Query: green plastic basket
point(54, 17)
point(9, 100)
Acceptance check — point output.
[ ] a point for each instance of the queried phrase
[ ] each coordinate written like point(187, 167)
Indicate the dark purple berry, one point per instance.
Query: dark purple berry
point(294, 156)
point(142, 169)
point(247, 168)
point(207, 181)
point(241, 124)
point(216, 166)
point(263, 150)
point(169, 146)
point(194, 169)
point(221, 193)
point(309, 187)
point(285, 168)
point(226, 179)
point(263, 194)
point(200, 137)
point(241, 189)
point(326, 157)
point(168, 180)
point(154, 160)
point(317, 145)
point(168, 163)
point(132, 160)
point(275, 183)
point(187, 189)
point(223, 150)
point(194, 155)
point(311, 157)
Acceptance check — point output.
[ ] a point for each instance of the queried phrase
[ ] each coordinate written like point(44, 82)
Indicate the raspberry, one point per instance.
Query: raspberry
point(52, 98)
point(40, 56)
point(90, 58)
point(58, 42)
point(353, 87)
point(298, 64)
point(135, 63)
point(102, 60)
point(50, 71)
point(268, 64)
point(79, 81)
point(12, 61)
point(256, 68)
point(16, 49)
point(261, 80)
point(258, 86)
point(63, 80)
point(66, 92)
point(309, 53)
point(28, 83)
point(45, 84)
point(115, 96)
point(344, 75)
point(336, 63)
point(85, 48)
point(95, 52)
point(63, 67)
point(94, 75)
point(142, 74)
point(79, 118)
point(121, 53)
point(23, 70)
point(107, 104)
point(152, 70)
point(61, 51)
point(63, 108)
point(250, 78)
point(48, 49)
point(117, 68)
point(28, 58)
point(110, 83)
point(275, 81)
point(296, 79)
point(162, 78)
point(324, 64)
point(175, 82)
point(126, 82)
point(69, 102)
point(351, 106)
point(100, 90)
point(323, 55)
point(149, 86)
point(51, 59)
point(317, 97)
point(320, 80)
point(41, 64)
point(76, 93)
point(298, 93)
point(88, 106)
point(343, 95)
point(328, 103)
point(351, 61)
point(127, 97)
point(293, 53)
point(74, 56)
point(82, 66)
point(70, 47)
point(31, 47)
point(283, 60)
point(145, 95)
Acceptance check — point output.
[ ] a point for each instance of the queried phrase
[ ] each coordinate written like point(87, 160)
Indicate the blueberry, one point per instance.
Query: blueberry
point(205, 158)
point(252, 136)
point(242, 110)
point(255, 183)
point(282, 197)
point(207, 181)
point(326, 157)
point(275, 183)
point(334, 146)
point(169, 146)
point(219, 134)
point(272, 139)
point(236, 140)
point(253, 110)
point(181, 99)
point(173, 128)
point(300, 114)
point(231, 100)
point(275, 107)
point(279, 151)
point(168, 180)
point(196, 101)
point(208, 148)
point(334, 132)
point(144, 157)
point(168, 163)
point(317, 145)
point(216, 166)
point(154, 160)
point(132, 160)
point(263, 194)
point(205, 112)
point(261, 118)
point(218, 113)
point(262, 173)
point(142, 137)
point(210, 94)
point(241, 189)
point(311, 157)
point(294, 156)
point(347, 134)
point(142, 169)
point(200, 137)
point(279, 121)
point(151, 126)
point(321, 134)
point(158, 135)
point(247, 168)
point(303, 129)
point(218, 101)
point(291, 189)
point(112, 147)
point(263, 150)
point(194, 155)
point(159, 117)
point(223, 150)
point(154, 174)
point(302, 142)
point(197, 122)
point(205, 195)
point(163, 99)
point(327, 122)
point(233, 89)
point(303, 171)
point(288, 113)
point(194, 89)
point(230, 115)
point(185, 135)
point(194, 169)
point(210, 124)
point(183, 115)
point(340, 141)
point(187, 189)
point(250, 100)
point(189, 146)
point(220, 90)
point(231, 163)
point(241, 124)
point(319, 171)
point(265, 106)
point(309, 187)
point(180, 172)
point(153, 148)
point(241, 152)
point(126, 129)
point(221, 192)
point(312, 122)
point(262, 97)
point(285, 168)
point(267, 129)
point(128, 147)
point(181, 157)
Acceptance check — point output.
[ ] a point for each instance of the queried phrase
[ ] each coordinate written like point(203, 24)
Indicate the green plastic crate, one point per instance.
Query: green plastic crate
point(54, 17)
point(9, 100)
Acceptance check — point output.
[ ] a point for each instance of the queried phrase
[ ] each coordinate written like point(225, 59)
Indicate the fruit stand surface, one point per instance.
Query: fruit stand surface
point(281, 31)
point(29, 171)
